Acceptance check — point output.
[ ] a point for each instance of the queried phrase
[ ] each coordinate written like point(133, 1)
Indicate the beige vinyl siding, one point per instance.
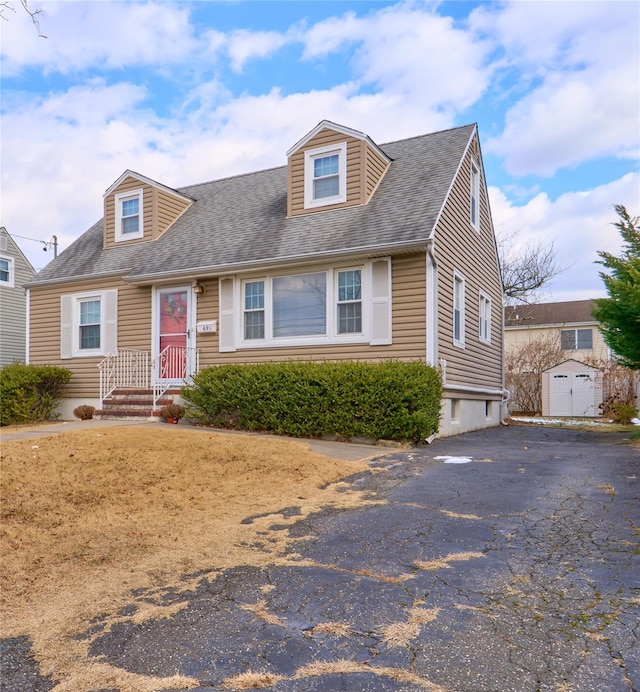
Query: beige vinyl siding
point(375, 168)
point(461, 248)
point(295, 191)
point(160, 210)
point(13, 307)
point(408, 320)
point(134, 329)
point(167, 210)
point(516, 338)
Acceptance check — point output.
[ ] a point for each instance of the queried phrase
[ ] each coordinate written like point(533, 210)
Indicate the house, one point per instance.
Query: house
point(352, 250)
point(569, 323)
point(15, 270)
point(570, 382)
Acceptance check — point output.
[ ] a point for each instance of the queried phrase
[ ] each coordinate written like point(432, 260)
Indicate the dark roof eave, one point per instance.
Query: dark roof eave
point(298, 260)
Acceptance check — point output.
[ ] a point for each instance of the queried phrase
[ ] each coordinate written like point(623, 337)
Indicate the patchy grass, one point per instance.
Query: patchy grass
point(89, 516)
point(330, 629)
point(445, 562)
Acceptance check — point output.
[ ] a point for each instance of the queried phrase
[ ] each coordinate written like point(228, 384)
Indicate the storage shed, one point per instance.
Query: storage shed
point(572, 388)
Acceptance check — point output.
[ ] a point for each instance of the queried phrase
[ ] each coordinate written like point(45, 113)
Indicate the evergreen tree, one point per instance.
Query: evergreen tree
point(619, 314)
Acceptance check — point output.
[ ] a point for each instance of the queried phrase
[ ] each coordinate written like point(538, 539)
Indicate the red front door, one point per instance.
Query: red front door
point(174, 333)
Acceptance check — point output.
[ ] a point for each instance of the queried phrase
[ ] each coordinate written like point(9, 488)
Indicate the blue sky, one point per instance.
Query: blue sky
point(185, 92)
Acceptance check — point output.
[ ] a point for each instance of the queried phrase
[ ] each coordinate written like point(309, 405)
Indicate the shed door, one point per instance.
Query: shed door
point(583, 398)
point(560, 395)
point(572, 394)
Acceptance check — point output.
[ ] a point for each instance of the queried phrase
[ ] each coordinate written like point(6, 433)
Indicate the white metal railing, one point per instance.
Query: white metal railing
point(124, 368)
point(172, 367)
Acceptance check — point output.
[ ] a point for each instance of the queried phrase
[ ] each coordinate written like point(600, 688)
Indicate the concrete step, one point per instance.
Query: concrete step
point(133, 404)
point(127, 414)
point(109, 404)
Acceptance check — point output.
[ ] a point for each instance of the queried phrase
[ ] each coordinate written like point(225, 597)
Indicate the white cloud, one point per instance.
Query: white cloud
point(329, 35)
point(572, 119)
point(410, 51)
point(585, 70)
point(565, 79)
point(244, 45)
point(578, 223)
point(81, 35)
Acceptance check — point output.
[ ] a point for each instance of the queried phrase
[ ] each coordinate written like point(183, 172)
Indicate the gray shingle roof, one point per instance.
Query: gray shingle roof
point(241, 221)
point(568, 312)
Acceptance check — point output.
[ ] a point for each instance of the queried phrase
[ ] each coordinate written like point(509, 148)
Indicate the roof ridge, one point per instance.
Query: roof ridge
point(275, 168)
point(231, 177)
point(429, 134)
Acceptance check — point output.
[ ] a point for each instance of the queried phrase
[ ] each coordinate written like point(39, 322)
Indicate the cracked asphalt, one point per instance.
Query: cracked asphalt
point(518, 571)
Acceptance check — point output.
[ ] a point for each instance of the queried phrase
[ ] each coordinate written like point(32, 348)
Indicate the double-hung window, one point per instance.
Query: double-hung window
point(325, 176)
point(575, 339)
point(6, 271)
point(475, 196)
point(484, 322)
point(254, 310)
point(129, 217)
point(458, 309)
point(349, 301)
point(88, 324)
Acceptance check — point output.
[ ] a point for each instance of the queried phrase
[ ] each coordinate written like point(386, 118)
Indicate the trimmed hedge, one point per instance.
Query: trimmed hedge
point(387, 400)
point(30, 393)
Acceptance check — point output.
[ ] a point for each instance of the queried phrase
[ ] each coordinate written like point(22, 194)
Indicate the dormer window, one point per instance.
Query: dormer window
point(325, 176)
point(129, 220)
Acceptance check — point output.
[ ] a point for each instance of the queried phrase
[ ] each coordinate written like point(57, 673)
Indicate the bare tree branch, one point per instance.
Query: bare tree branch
point(34, 14)
point(525, 272)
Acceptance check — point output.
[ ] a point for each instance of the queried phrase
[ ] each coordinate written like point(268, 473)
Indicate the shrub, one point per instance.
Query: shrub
point(621, 412)
point(30, 393)
point(524, 366)
point(172, 411)
point(387, 400)
point(84, 412)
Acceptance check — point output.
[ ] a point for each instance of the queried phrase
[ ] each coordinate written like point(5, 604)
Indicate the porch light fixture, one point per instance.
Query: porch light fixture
point(198, 288)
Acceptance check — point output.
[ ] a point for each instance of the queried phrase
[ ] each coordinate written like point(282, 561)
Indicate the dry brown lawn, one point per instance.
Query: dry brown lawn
point(89, 516)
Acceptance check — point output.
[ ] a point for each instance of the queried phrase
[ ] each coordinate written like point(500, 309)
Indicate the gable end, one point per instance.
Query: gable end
point(137, 209)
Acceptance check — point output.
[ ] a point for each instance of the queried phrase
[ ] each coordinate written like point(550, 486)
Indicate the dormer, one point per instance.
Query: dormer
point(137, 209)
point(333, 167)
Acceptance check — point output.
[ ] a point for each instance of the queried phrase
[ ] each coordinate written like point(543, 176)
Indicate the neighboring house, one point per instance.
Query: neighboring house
point(350, 251)
point(15, 270)
point(574, 386)
point(569, 323)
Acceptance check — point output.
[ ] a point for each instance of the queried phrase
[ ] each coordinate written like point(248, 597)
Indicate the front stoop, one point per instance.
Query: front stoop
point(133, 404)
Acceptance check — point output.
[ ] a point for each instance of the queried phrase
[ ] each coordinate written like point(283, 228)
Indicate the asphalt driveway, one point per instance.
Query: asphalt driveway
point(513, 566)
